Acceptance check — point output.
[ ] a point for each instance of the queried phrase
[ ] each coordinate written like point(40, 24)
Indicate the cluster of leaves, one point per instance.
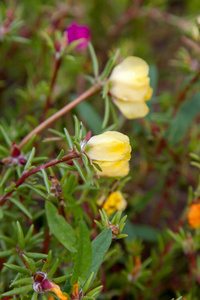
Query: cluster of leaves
point(48, 228)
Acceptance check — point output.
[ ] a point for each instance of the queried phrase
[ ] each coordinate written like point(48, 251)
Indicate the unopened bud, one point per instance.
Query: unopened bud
point(115, 230)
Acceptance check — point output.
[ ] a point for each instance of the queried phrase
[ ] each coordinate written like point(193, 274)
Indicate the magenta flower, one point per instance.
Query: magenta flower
point(76, 32)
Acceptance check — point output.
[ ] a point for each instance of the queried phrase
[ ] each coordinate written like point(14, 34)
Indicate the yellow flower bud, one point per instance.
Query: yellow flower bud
point(129, 87)
point(115, 201)
point(111, 151)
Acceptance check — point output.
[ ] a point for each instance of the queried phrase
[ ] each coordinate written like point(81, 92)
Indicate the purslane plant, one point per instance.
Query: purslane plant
point(67, 217)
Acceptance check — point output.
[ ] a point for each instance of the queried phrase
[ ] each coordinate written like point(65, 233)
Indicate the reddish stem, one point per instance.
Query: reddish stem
point(53, 80)
point(71, 155)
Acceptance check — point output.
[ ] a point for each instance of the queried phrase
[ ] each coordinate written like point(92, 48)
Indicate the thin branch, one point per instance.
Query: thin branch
point(73, 154)
point(53, 80)
point(93, 90)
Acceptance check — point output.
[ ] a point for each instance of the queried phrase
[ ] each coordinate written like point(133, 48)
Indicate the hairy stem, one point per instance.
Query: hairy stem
point(93, 90)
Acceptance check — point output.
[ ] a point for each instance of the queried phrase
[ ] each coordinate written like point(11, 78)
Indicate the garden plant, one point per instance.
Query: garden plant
point(99, 150)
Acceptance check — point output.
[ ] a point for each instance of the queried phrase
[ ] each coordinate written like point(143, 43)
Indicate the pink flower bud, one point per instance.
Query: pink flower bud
point(76, 32)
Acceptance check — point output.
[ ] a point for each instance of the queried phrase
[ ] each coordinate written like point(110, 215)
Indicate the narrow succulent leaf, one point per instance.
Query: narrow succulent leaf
point(8, 240)
point(78, 146)
point(62, 278)
point(95, 292)
point(22, 207)
point(99, 225)
point(88, 283)
point(46, 181)
point(83, 259)
point(36, 255)
point(80, 171)
point(19, 291)
point(56, 132)
point(34, 296)
point(97, 166)
point(29, 233)
point(122, 222)
point(86, 163)
point(21, 281)
point(30, 263)
point(121, 236)
point(106, 112)
point(80, 131)
point(60, 155)
point(6, 253)
point(69, 139)
point(29, 144)
point(7, 174)
point(4, 150)
point(20, 236)
point(118, 216)
point(6, 137)
point(77, 128)
point(107, 69)
point(53, 269)
point(105, 90)
point(94, 60)
point(29, 160)
point(60, 228)
point(18, 269)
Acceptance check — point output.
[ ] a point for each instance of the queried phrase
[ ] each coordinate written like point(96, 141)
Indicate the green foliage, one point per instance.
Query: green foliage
point(50, 220)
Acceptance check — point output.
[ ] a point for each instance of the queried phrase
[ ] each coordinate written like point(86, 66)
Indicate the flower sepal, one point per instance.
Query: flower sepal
point(116, 224)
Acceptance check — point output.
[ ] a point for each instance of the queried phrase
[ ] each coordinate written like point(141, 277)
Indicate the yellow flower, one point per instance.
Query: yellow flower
point(115, 201)
point(194, 215)
point(129, 87)
point(111, 151)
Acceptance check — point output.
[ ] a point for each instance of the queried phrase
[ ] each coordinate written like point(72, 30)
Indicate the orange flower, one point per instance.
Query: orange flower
point(56, 289)
point(194, 215)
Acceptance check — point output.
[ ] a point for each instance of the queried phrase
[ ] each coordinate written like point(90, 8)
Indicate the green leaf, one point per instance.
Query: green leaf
point(6, 253)
point(183, 119)
point(100, 246)
point(30, 263)
point(106, 113)
point(21, 207)
point(90, 116)
point(94, 60)
point(60, 228)
point(46, 181)
point(20, 290)
point(17, 269)
point(79, 169)
point(30, 158)
point(6, 137)
point(83, 259)
point(20, 236)
point(69, 139)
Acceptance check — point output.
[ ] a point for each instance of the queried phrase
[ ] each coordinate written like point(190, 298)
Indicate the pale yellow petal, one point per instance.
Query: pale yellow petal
point(130, 69)
point(132, 110)
point(113, 169)
point(148, 94)
point(108, 147)
point(129, 80)
point(129, 92)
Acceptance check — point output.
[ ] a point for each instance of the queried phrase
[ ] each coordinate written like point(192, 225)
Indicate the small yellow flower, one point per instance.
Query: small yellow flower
point(130, 87)
point(194, 215)
point(111, 151)
point(115, 201)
